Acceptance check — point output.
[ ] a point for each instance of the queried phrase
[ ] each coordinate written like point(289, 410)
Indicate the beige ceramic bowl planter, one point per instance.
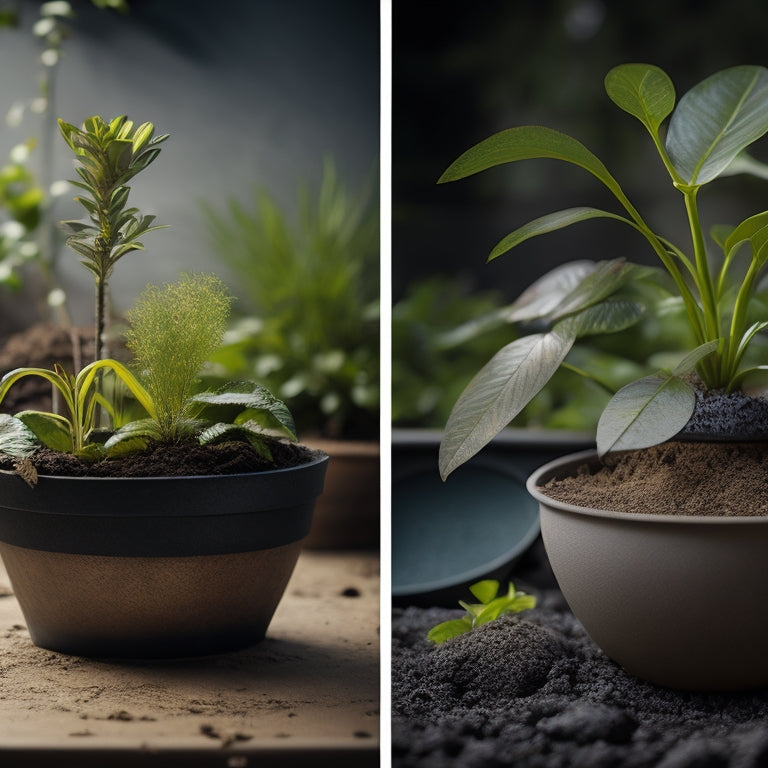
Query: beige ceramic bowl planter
point(679, 601)
point(154, 567)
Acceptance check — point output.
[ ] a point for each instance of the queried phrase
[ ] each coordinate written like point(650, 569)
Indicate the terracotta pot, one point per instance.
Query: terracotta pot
point(678, 601)
point(347, 514)
point(154, 567)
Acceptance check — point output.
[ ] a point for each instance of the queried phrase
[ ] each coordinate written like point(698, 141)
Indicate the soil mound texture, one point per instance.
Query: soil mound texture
point(682, 478)
point(533, 691)
point(727, 416)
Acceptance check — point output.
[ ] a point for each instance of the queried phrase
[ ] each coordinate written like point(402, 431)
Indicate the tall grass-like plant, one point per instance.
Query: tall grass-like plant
point(174, 329)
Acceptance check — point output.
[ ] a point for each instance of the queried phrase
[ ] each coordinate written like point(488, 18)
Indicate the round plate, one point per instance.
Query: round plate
point(446, 536)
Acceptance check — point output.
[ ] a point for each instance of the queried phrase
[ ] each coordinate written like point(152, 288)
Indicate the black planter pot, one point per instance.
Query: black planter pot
point(154, 567)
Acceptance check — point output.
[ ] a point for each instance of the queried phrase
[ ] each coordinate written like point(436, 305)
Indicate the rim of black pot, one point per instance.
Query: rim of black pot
point(558, 467)
point(174, 516)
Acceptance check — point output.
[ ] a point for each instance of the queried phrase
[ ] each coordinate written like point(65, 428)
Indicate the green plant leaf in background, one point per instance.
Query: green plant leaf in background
point(716, 120)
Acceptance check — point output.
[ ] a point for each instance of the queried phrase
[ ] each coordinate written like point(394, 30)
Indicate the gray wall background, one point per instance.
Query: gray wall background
point(253, 92)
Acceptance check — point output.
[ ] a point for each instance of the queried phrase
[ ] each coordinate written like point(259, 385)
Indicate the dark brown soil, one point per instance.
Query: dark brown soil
point(681, 478)
point(174, 460)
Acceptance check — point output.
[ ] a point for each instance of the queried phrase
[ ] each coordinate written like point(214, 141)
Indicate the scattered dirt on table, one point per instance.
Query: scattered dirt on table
point(681, 478)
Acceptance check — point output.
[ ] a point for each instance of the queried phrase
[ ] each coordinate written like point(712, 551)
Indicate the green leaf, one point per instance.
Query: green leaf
point(608, 316)
point(745, 163)
point(499, 391)
point(645, 413)
point(692, 359)
point(545, 294)
point(16, 438)
point(645, 91)
point(550, 223)
point(220, 432)
point(449, 629)
point(716, 120)
point(248, 395)
point(605, 280)
point(526, 143)
point(753, 229)
point(51, 429)
point(485, 591)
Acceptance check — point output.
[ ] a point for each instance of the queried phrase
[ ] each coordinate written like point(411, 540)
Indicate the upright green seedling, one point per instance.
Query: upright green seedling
point(107, 157)
point(706, 136)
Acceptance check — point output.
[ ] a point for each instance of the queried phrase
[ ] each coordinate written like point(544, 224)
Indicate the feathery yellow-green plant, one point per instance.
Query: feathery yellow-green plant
point(174, 329)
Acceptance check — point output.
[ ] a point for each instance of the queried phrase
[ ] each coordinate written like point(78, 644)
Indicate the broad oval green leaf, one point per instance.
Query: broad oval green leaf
point(608, 316)
point(485, 590)
point(716, 120)
point(643, 90)
point(545, 294)
point(448, 629)
point(550, 223)
point(607, 278)
point(645, 413)
point(499, 391)
point(51, 429)
point(240, 396)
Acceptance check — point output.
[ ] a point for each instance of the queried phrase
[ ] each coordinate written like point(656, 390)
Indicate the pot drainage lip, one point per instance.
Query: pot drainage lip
point(448, 535)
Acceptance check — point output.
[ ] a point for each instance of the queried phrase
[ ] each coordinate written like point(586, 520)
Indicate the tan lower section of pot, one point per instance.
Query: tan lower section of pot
point(148, 607)
point(347, 513)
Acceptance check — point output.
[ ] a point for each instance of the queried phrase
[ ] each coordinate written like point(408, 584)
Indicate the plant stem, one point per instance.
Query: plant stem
point(704, 283)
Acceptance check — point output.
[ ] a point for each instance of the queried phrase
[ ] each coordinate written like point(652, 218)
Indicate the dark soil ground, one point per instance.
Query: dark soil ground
point(533, 691)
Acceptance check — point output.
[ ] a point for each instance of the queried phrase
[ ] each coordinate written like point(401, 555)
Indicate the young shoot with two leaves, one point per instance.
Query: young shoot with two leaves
point(705, 137)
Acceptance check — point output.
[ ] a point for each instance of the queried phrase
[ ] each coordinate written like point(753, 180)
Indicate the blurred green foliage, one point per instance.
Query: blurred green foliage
point(433, 359)
point(309, 309)
point(27, 233)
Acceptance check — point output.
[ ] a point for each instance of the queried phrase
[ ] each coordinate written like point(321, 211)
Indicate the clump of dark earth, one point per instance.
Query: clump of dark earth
point(720, 415)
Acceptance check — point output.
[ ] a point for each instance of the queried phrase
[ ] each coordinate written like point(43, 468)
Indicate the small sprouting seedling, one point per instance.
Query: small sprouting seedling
point(491, 606)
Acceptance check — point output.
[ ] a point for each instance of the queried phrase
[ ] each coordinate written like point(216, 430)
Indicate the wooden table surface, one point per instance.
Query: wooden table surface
point(309, 690)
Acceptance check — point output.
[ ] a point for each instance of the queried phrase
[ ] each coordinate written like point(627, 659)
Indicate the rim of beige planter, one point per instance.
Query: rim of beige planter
point(678, 601)
point(154, 567)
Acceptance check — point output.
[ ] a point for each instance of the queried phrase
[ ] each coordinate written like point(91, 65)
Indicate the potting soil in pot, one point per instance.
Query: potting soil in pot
point(682, 478)
point(179, 459)
point(533, 691)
